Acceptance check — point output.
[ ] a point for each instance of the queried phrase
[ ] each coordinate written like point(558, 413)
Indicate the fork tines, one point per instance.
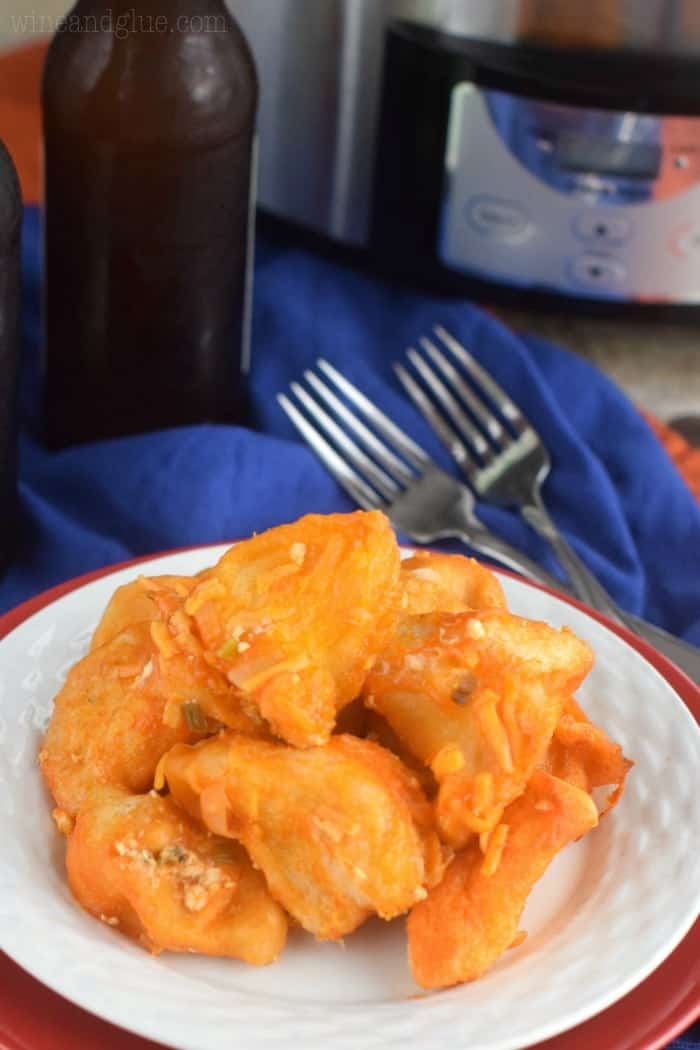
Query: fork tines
point(374, 472)
point(475, 419)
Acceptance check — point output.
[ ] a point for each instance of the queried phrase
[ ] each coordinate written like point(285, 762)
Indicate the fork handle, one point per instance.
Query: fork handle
point(584, 584)
point(492, 546)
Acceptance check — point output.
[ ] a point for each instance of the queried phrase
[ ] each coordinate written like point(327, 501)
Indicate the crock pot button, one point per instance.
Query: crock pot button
point(686, 240)
point(599, 270)
point(602, 227)
point(500, 219)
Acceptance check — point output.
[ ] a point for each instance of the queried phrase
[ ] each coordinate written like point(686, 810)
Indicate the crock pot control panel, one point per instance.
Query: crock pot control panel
point(586, 202)
point(573, 174)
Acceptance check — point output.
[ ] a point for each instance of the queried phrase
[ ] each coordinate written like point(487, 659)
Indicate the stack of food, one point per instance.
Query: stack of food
point(314, 732)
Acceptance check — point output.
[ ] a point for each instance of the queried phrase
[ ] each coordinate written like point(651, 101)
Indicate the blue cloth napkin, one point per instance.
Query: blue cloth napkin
point(613, 489)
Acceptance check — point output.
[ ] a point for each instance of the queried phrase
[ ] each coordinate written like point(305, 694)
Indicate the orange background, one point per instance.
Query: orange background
point(20, 128)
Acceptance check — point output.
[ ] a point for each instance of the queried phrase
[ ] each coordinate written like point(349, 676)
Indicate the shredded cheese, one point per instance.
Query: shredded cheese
point(447, 761)
point(494, 851)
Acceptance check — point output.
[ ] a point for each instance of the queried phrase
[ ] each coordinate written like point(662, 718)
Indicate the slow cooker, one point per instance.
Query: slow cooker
point(543, 146)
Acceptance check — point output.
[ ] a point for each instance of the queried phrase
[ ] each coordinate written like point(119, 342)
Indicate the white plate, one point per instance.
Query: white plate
point(609, 910)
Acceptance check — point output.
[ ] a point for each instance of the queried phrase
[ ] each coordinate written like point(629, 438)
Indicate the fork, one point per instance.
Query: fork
point(505, 462)
point(498, 451)
point(398, 476)
point(422, 501)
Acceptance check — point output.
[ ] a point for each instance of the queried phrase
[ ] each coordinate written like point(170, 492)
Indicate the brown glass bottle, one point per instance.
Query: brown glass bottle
point(149, 126)
point(10, 228)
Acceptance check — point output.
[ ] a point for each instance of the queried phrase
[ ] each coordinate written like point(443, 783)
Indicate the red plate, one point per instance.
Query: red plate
point(34, 1018)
